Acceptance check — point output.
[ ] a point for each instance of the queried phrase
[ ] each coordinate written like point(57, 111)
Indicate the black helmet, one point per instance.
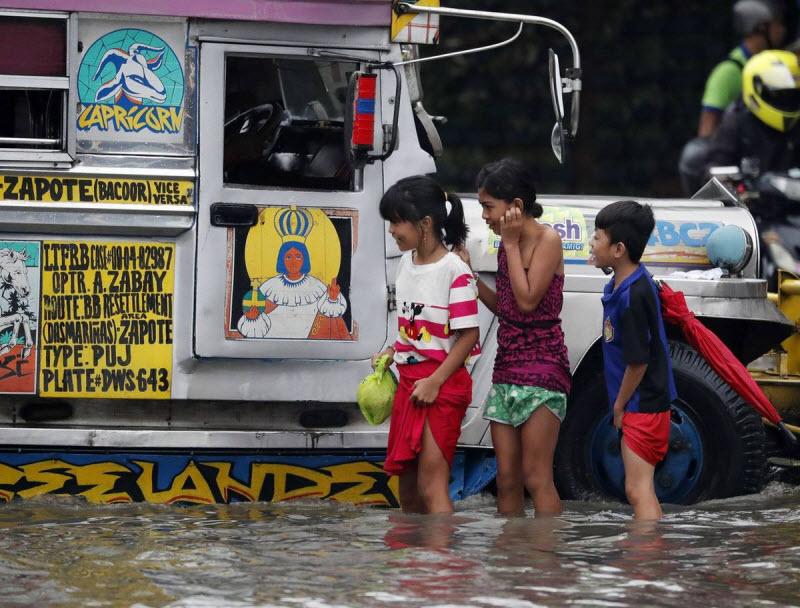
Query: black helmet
point(749, 14)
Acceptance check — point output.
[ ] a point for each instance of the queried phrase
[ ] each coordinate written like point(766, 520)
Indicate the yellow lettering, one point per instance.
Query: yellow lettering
point(92, 116)
point(152, 120)
point(46, 482)
point(98, 481)
point(122, 118)
point(83, 118)
point(198, 490)
point(176, 117)
point(163, 119)
point(101, 477)
point(108, 114)
point(227, 483)
point(362, 474)
point(135, 118)
point(318, 484)
point(9, 476)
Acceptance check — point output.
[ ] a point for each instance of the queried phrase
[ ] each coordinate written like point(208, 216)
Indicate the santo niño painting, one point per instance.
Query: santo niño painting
point(289, 275)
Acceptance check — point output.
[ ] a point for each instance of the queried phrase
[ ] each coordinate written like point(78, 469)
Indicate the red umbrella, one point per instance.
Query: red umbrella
point(719, 357)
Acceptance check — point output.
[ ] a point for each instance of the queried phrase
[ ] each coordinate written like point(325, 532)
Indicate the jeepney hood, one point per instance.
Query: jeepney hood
point(676, 245)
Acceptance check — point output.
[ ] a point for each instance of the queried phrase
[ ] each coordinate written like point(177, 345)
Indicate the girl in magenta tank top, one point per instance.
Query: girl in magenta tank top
point(531, 380)
point(530, 346)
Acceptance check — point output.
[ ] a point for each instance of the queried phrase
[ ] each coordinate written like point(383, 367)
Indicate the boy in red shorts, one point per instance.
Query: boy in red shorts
point(635, 352)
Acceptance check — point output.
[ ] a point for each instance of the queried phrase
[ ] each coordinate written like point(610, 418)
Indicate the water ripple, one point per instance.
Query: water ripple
point(740, 552)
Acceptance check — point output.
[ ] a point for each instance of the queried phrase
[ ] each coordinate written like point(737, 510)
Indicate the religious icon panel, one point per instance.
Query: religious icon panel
point(289, 276)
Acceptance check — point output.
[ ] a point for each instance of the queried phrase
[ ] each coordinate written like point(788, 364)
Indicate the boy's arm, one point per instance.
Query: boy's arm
point(634, 373)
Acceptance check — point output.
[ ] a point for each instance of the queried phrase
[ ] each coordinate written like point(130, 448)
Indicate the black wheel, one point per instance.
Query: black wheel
point(717, 441)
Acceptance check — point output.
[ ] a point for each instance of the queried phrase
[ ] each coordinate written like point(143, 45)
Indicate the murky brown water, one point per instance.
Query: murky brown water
point(738, 552)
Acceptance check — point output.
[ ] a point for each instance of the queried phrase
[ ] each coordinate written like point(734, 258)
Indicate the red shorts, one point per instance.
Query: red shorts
point(647, 435)
point(444, 416)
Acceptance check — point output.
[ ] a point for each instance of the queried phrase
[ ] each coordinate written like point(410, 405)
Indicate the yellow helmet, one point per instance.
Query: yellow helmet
point(770, 82)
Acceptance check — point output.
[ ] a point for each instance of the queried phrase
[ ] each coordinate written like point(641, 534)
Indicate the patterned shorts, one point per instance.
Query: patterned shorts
point(513, 403)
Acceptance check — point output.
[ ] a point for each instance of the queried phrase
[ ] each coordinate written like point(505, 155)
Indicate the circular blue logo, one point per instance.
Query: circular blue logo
point(136, 71)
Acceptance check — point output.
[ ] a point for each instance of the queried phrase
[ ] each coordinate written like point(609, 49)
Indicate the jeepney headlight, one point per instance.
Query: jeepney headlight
point(730, 248)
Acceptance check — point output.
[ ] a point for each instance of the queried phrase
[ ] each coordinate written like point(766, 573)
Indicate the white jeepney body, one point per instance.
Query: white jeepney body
point(156, 346)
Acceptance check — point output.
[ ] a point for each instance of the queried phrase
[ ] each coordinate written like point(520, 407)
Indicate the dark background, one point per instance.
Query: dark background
point(644, 67)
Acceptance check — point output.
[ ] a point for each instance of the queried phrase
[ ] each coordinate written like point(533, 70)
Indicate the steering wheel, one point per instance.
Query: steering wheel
point(252, 134)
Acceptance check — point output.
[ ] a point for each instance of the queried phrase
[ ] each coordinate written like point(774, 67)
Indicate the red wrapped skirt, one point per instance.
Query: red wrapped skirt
point(444, 416)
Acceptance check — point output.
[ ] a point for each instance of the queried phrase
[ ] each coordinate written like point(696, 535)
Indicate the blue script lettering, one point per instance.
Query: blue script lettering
point(668, 234)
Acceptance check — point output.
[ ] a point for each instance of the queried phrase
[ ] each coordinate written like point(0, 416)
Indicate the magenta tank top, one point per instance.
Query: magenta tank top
point(530, 347)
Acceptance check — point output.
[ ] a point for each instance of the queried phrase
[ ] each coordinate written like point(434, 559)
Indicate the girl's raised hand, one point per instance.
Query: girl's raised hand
point(511, 225)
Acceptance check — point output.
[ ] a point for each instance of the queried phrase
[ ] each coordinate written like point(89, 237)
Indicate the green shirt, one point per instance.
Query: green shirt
point(724, 84)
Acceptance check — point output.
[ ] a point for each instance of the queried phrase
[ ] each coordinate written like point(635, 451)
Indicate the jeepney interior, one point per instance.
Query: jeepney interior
point(284, 123)
point(28, 116)
point(33, 84)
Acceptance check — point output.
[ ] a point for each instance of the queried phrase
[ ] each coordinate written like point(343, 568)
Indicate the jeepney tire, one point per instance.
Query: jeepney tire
point(733, 433)
point(730, 433)
point(586, 409)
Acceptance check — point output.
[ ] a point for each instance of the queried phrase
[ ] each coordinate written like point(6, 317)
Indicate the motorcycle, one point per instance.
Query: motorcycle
point(774, 200)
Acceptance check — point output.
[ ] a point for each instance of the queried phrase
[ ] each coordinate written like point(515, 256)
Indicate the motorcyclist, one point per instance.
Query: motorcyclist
point(760, 128)
point(760, 134)
point(761, 25)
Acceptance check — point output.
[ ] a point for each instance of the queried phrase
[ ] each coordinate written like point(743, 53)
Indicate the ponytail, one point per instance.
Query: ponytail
point(455, 228)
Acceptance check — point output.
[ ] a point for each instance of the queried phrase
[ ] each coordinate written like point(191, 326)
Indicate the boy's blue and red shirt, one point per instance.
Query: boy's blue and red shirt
point(633, 332)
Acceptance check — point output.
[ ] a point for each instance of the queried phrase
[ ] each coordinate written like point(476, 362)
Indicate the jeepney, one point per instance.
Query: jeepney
point(153, 166)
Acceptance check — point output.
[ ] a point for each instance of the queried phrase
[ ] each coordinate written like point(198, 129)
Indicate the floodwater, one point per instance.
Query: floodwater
point(737, 552)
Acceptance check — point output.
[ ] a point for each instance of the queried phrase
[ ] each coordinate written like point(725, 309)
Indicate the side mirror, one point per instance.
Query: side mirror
point(556, 95)
point(558, 142)
point(558, 136)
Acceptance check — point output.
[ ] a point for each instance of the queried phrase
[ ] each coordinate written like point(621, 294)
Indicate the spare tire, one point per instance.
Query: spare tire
point(717, 441)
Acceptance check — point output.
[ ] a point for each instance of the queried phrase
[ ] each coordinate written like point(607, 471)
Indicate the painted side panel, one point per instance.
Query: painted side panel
point(224, 478)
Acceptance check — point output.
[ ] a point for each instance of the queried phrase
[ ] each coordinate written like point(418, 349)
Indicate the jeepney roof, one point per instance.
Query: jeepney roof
point(314, 12)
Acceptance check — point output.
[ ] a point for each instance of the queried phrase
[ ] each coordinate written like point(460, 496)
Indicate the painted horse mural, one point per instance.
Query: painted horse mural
point(135, 76)
point(15, 290)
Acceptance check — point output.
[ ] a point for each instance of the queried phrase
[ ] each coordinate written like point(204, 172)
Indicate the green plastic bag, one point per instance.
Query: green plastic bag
point(375, 393)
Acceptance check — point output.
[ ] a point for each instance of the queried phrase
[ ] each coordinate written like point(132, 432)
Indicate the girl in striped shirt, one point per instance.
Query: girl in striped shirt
point(437, 318)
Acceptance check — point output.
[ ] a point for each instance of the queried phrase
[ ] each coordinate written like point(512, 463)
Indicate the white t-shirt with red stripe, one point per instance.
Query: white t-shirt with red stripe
point(434, 301)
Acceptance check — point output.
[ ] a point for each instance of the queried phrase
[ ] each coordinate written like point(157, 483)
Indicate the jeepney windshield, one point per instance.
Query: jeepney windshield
point(315, 90)
point(284, 122)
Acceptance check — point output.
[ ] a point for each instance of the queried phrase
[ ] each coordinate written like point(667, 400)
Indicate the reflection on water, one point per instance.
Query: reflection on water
point(737, 552)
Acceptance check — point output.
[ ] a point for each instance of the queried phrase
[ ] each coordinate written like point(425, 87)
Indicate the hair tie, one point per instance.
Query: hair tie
point(447, 206)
